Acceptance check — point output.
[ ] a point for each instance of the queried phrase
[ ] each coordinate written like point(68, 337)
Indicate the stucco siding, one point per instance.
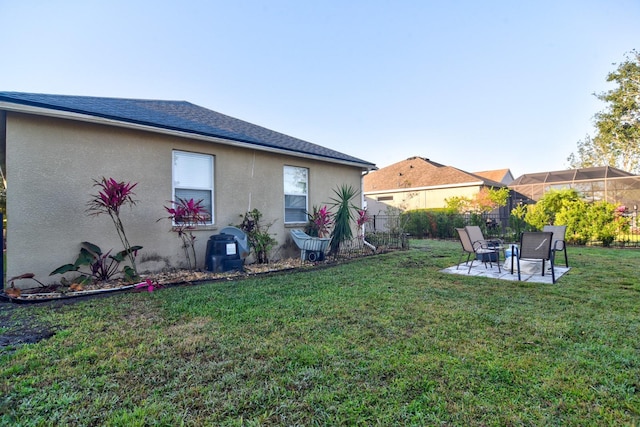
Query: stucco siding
point(419, 199)
point(51, 165)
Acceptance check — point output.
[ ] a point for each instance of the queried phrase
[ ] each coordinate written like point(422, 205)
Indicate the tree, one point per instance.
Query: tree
point(486, 200)
point(617, 139)
point(457, 204)
point(593, 152)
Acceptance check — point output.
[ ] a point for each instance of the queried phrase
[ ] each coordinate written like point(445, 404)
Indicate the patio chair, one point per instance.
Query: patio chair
point(536, 246)
point(484, 251)
point(478, 240)
point(559, 244)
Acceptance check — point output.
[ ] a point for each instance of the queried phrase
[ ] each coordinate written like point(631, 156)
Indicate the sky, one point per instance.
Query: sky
point(478, 85)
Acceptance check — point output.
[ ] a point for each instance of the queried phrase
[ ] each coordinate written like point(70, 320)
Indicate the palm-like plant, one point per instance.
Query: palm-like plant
point(344, 215)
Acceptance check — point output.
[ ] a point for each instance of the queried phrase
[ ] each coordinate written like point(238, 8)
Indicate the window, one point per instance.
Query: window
point(295, 194)
point(193, 178)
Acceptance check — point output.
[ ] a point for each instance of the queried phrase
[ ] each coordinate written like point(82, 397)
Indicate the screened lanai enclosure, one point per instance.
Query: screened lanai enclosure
point(594, 184)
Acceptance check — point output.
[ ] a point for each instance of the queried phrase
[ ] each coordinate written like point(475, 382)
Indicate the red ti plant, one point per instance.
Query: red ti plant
point(112, 195)
point(186, 215)
point(361, 220)
point(320, 221)
point(148, 285)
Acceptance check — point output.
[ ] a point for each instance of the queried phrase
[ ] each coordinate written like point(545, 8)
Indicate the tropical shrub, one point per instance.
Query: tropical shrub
point(598, 221)
point(111, 197)
point(545, 210)
point(260, 241)
point(185, 216)
point(362, 218)
point(605, 222)
point(479, 220)
point(574, 216)
point(434, 223)
point(447, 222)
point(517, 223)
point(418, 223)
point(319, 222)
point(99, 266)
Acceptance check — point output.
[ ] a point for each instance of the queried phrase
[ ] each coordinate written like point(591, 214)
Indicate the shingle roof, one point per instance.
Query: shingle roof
point(417, 172)
point(179, 116)
point(497, 175)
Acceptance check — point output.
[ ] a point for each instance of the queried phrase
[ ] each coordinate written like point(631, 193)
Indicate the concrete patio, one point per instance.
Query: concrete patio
point(481, 270)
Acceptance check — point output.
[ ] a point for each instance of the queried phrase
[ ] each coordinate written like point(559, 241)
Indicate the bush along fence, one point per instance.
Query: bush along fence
point(437, 224)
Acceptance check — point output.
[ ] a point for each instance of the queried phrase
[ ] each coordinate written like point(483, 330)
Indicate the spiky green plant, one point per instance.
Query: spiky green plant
point(344, 215)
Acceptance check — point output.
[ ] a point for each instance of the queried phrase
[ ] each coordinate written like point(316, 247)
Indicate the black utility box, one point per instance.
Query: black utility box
point(222, 254)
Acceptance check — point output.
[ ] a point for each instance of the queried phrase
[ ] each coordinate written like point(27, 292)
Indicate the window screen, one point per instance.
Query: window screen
point(193, 178)
point(295, 194)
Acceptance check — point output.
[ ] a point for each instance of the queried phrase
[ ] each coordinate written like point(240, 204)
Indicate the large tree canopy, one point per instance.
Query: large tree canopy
point(617, 139)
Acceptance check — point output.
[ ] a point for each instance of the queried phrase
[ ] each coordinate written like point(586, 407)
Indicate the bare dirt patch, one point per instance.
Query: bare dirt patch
point(16, 330)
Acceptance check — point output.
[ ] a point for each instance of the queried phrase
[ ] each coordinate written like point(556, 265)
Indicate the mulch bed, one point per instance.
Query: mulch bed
point(167, 278)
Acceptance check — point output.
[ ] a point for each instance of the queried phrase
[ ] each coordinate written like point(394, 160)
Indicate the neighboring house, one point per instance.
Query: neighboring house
point(53, 147)
point(419, 183)
point(502, 176)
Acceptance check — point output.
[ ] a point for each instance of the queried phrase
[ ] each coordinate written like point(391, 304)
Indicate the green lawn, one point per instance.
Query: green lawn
point(384, 340)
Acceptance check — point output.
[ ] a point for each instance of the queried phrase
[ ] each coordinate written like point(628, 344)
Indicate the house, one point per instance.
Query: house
point(54, 147)
point(419, 183)
point(502, 176)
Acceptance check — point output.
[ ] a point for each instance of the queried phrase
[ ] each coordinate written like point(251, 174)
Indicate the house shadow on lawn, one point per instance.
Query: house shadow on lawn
point(480, 269)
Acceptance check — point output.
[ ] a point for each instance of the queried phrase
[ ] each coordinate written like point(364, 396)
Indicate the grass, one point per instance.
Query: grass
point(384, 340)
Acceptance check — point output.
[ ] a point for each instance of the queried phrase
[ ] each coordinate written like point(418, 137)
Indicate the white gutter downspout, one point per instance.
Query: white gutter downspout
point(362, 203)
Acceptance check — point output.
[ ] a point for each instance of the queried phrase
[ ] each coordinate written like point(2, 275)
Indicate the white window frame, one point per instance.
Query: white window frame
point(198, 177)
point(295, 190)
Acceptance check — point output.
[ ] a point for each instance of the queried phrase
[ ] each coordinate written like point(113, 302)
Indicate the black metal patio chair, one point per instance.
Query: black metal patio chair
point(482, 250)
point(537, 246)
point(559, 244)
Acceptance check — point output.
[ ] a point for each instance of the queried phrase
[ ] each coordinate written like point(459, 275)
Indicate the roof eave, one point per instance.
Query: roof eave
point(61, 114)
